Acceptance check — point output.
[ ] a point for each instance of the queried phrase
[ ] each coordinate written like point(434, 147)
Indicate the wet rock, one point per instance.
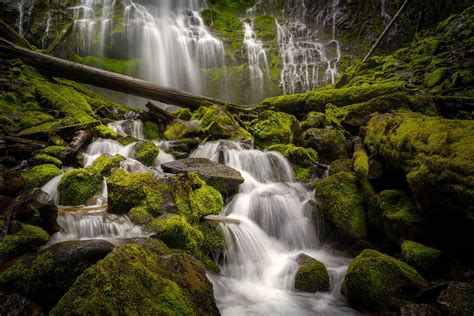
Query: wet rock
point(275, 128)
point(329, 143)
point(419, 310)
point(302, 159)
point(14, 304)
point(106, 162)
point(221, 177)
point(339, 165)
point(45, 276)
point(311, 276)
point(146, 152)
point(79, 185)
point(11, 182)
point(179, 129)
point(425, 259)
point(378, 282)
point(457, 299)
point(44, 204)
point(38, 176)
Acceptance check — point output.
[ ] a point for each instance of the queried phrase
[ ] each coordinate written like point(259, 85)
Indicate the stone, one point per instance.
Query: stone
point(457, 299)
point(312, 275)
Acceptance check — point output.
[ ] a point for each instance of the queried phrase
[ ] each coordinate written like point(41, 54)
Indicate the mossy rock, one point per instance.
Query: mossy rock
point(329, 143)
point(106, 163)
point(378, 282)
point(315, 120)
point(127, 140)
point(151, 131)
point(102, 131)
point(27, 238)
point(55, 151)
point(40, 159)
point(361, 163)
point(45, 276)
point(312, 277)
point(176, 232)
point(146, 152)
point(424, 259)
point(400, 217)
point(182, 129)
point(301, 159)
point(34, 118)
point(78, 185)
point(140, 216)
point(273, 128)
point(339, 165)
point(219, 124)
point(457, 299)
point(183, 114)
point(339, 198)
point(136, 280)
point(38, 176)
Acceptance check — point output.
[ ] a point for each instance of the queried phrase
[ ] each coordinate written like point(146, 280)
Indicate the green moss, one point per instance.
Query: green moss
point(146, 152)
point(106, 163)
point(38, 176)
point(213, 243)
point(151, 131)
point(122, 66)
point(312, 277)
point(340, 199)
point(329, 143)
point(127, 140)
point(176, 232)
point(180, 129)
point(302, 159)
point(339, 165)
point(183, 114)
point(140, 216)
point(375, 281)
point(419, 256)
point(457, 299)
point(275, 128)
point(102, 131)
point(34, 118)
point(40, 158)
point(55, 151)
point(27, 239)
point(78, 185)
point(361, 163)
point(436, 77)
point(315, 120)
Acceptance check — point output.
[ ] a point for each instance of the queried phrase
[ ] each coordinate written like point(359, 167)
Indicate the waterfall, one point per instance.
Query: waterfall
point(93, 223)
point(132, 128)
point(106, 146)
point(51, 187)
point(308, 60)
point(45, 37)
point(258, 272)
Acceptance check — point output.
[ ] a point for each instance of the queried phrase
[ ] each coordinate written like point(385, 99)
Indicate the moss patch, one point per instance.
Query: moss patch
point(38, 176)
point(78, 185)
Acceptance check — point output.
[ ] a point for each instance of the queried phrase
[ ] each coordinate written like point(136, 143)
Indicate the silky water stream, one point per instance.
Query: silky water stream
point(259, 266)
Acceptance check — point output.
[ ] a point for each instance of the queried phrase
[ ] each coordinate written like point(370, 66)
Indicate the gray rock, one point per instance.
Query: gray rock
point(219, 176)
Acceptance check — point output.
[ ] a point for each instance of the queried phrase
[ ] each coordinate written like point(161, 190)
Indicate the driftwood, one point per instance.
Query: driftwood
point(221, 219)
point(80, 139)
point(389, 26)
point(105, 79)
point(159, 113)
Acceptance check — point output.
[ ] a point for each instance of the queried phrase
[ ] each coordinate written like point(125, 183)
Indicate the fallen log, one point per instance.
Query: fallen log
point(159, 113)
point(80, 139)
point(221, 219)
point(58, 67)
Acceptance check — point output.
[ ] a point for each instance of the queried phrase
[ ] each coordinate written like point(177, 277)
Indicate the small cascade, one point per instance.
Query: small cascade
point(132, 128)
point(93, 223)
point(309, 60)
point(51, 187)
point(384, 12)
point(259, 73)
point(163, 156)
point(266, 231)
point(21, 11)
point(45, 38)
point(106, 146)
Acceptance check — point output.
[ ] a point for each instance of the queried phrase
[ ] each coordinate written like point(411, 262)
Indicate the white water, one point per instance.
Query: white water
point(258, 272)
point(132, 128)
point(45, 37)
point(51, 187)
point(309, 61)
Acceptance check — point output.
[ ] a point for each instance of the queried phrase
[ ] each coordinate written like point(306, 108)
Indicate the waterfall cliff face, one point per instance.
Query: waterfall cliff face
point(268, 231)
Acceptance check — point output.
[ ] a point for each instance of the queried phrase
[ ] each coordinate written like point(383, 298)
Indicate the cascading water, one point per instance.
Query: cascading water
point(45, 37)
point(258, 272)
point(308, 61)
point(51, 187)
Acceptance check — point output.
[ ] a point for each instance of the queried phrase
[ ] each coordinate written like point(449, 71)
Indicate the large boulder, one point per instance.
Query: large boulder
point(312, 275)
point(79, 185)
point(106, 163)
point(135, 280)
point(339, 198)
point(223, 178)
point(328, 142)
point(275, 128)
point(378, 282)
point(45, 276)
point(425, 259)
point(457, 299)
point(436, 156)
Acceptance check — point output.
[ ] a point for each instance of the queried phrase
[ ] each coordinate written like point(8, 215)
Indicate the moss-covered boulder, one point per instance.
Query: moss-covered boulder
point(176, 232)
point(275, 128)
point(179, 129)
point(45, 276)
point(339, 165)
point(40, 159)
point(151, 130)
point(22, 239)
point(102, 131)
point(78, 185)
point(146, 152)
point(339, 198)
point(361, 163)
point(301, 159)
point(436, 156)
point(457, 299)
point(55, 151)
point(183, 114)
point(315, 120)
point(329, 143)
point(378, 282)
point(38, 176)
point(219, 124)
point(139, 215)
point(106, 163)
point(425, 259)
point(399, 216)
point(136, 280)
point(312, 275)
